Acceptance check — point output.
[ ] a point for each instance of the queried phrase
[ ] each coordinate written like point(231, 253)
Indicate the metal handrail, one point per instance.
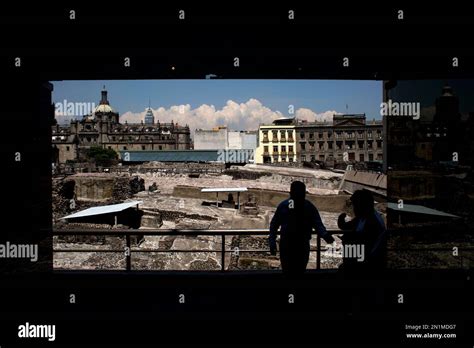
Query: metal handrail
point(177, 232)
point(210, 232)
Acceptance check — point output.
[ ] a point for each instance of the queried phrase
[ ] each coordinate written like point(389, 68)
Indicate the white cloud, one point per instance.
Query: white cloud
point(311, 116)
point(237, 116)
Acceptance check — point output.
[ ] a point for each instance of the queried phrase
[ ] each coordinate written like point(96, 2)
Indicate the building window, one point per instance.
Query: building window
point(371, 157)
point(311, 135)
point(303, 146)
point(290, 159)
point(313, 158)
point(303, 158)
point(160, 147)
point(275, 148)
point(109, 147)
point(265, 149)
point(275, 136)
point(67, 148)
point(143, 147)
point(283, 149)
point(320, 135)
point(290, 149)
point(329, 135)
point(302, 135)
point(124, 147)
point(330, 145)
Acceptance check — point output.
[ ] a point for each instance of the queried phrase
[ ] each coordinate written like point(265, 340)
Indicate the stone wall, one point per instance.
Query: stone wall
point(105, 187)
point(177, 167)
point(77, 192)
point(271, 198)
point(356, 180)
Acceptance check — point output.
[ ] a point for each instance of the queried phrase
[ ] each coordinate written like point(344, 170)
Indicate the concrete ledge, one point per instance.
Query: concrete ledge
point(269, 198)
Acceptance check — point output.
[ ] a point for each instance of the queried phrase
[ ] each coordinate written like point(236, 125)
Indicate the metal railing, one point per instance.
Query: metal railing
point(127, 233)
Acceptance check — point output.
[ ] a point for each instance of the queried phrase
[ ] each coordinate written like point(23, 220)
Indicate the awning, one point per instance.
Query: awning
point(104, 209)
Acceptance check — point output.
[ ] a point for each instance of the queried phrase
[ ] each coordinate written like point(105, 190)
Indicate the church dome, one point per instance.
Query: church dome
point(103, 108)
point(104, 105)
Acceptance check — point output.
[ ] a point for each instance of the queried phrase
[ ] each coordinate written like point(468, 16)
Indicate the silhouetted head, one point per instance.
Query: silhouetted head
point(363, 203)
point(298, 190)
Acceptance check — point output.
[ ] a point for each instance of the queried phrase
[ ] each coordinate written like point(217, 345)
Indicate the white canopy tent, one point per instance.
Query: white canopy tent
point(226, 189)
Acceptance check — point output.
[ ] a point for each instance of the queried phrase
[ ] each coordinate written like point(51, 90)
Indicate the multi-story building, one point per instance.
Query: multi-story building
point(221, 138)
point(102, 128)
point(277, 142)
point(348, 138)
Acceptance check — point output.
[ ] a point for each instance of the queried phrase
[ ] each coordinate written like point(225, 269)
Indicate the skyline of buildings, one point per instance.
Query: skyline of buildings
point(347, 139)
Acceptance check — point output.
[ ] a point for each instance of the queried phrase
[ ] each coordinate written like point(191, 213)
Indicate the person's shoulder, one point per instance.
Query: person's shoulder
point(284, 203)
point(309, 205)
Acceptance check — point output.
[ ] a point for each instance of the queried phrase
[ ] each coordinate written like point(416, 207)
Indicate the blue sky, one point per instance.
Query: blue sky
point(318, 95)
point(268, 98)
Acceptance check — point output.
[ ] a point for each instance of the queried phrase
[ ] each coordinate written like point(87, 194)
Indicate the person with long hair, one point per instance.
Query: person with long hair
point(365, 231)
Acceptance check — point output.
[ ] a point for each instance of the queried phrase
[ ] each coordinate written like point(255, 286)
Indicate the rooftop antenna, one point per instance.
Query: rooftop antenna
point(149, 103)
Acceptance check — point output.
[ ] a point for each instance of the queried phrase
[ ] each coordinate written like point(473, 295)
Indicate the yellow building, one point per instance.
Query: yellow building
point(276, 142)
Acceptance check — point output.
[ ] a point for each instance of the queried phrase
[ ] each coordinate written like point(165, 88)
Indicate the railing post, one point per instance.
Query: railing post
point(223, 254)
point(318, 252)
point(128, 256)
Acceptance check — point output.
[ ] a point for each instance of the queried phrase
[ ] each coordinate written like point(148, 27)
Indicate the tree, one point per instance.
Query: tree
point(102, 157)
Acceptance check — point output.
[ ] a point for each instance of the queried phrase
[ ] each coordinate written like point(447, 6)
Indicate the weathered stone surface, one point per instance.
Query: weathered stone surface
point(193, 224)
point(137, 184)
point(163, 210)
point(151, 221)
point(153, 187)
point(62, 193)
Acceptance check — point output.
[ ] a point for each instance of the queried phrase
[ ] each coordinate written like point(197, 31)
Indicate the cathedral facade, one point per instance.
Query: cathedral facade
point(102, 128)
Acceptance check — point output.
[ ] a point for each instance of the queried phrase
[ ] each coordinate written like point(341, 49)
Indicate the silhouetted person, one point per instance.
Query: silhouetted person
point(366, 229)
point(297, 217)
